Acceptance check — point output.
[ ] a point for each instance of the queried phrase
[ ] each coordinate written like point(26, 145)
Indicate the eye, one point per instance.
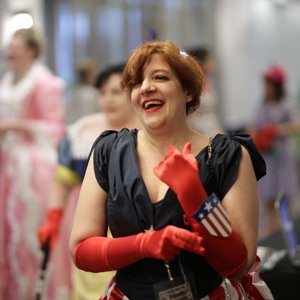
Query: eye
point(160, 77)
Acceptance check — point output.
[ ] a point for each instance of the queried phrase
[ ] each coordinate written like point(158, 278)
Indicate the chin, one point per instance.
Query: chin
point(154, 125)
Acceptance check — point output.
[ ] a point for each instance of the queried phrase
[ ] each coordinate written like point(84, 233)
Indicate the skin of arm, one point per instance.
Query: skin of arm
point(242, 204)
point(90, 216)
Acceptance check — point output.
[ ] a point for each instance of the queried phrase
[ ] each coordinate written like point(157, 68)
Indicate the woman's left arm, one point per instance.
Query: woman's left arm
point(242, 205)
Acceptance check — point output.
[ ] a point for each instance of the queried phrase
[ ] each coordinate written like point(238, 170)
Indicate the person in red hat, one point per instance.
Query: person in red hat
point(275, 121)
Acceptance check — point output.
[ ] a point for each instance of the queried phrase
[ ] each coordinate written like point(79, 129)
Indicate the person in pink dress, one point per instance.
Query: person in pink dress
point(31, 124)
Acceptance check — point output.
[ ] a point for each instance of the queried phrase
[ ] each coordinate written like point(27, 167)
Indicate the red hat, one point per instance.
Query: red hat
point(276, 74)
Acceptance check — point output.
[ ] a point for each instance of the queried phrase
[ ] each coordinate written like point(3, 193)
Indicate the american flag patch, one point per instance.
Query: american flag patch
point(214, 217)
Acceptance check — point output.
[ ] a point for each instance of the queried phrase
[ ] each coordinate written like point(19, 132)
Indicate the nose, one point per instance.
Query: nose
point(147, 86)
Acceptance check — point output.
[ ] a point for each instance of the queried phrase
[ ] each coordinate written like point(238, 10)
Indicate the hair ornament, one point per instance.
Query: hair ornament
point(183, 54)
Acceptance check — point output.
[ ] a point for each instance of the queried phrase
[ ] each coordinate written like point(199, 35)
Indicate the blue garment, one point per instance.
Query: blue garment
point(66, 158)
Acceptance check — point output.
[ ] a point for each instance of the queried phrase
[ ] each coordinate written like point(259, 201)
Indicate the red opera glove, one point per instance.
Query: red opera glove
point(264, 137)
point(180, 172)
point(204, 214)
point(100, 254)
point(50, 229)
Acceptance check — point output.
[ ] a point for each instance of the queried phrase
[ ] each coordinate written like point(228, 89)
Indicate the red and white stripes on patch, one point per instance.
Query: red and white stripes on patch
point(214, 217)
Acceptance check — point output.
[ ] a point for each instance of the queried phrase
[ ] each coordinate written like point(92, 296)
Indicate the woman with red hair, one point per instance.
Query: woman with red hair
point(182, 207)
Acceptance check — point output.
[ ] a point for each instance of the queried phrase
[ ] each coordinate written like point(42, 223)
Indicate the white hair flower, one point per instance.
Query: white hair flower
point(183, 54)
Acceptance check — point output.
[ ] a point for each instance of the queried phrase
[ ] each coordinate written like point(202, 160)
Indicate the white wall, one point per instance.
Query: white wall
point(9, 7)
point(251, 35)
point(246, 36)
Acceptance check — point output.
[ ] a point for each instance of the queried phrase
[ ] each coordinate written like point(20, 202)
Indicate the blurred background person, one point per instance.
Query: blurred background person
point(116, 113)
point(31, 124)
point(83, 97)
point(275, 121)
point(206, 119)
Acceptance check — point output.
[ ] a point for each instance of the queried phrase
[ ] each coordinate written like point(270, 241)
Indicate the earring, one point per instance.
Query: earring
point(188, 99)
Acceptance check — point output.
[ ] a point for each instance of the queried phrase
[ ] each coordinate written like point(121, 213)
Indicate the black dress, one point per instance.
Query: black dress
point(130, 210)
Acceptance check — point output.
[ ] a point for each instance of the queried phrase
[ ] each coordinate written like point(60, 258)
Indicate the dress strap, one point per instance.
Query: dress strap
point(209, 152)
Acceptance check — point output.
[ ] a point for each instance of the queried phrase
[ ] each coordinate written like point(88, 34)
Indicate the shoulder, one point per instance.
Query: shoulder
point(45, 77)
point(228, 150)
point(112, 138)
point(109, 142)
point(227, 153)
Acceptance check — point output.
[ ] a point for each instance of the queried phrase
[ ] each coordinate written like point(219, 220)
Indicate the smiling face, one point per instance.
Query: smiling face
point(114, 102)
point(159, 99)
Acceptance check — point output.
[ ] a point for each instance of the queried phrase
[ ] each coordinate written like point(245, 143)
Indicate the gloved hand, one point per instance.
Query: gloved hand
point(205, 215)
point(180, 172)
point(50, 229)
point(100, 254)
point(264, 137)
point(166, 243)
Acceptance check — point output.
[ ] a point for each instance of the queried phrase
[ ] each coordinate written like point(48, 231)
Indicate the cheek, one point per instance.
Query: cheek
point(134, 96)
point(103, 101)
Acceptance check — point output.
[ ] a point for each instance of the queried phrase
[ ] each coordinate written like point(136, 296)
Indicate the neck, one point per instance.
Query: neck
point(161, 140)
point(21, 71)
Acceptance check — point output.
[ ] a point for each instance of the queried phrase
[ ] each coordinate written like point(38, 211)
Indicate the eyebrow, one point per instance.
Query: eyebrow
point(160, 70)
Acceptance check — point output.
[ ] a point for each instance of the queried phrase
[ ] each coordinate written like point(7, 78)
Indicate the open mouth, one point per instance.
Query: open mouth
point(152, 104)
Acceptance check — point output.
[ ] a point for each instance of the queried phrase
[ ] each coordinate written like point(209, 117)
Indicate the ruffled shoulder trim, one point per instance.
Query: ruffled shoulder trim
point(258, 162)
point(102, 148)
point(226, 157)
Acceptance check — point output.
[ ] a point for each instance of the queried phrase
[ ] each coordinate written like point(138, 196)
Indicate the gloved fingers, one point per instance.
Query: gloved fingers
point(183, 239)
point(47, 233)
point(166, 249)
point(171, 151)
point(175, 162)
point(169, 251)
point(187, 148)
point(190, 241)
point(188, 156)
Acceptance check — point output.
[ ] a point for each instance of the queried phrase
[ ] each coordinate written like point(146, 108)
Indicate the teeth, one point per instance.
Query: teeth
point(154, 102)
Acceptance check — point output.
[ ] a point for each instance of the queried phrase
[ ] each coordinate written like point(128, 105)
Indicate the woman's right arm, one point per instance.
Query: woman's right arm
point(90, 215)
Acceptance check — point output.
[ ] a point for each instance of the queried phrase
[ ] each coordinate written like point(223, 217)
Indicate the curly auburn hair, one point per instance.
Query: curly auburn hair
point(187, 68)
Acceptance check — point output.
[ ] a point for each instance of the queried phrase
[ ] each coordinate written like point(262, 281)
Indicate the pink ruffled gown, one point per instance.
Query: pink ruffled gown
point(26, 175)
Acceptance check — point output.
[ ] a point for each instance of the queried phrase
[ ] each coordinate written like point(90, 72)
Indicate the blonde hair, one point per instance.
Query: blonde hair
point(187, 69)
point(32, 40)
